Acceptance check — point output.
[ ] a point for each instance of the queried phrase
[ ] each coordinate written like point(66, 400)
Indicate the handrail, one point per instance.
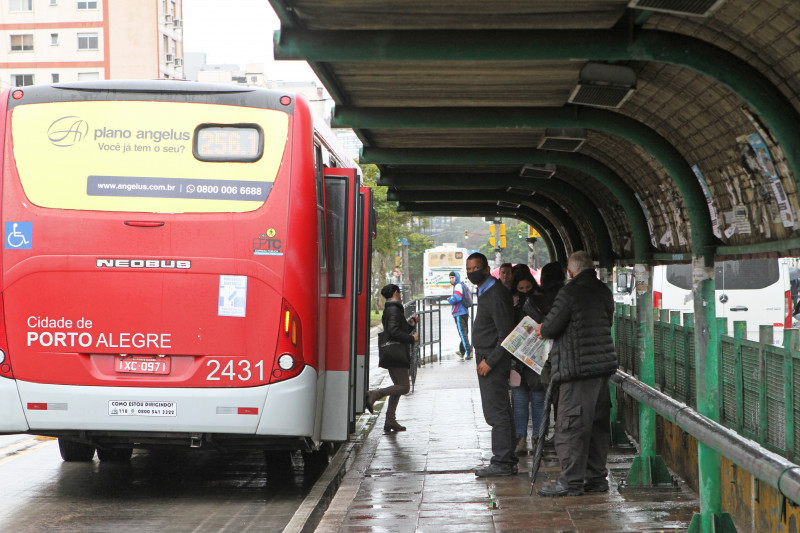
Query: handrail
point(767, 466)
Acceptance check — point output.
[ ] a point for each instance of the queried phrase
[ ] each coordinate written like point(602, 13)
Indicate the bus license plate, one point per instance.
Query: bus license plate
point(143, 365)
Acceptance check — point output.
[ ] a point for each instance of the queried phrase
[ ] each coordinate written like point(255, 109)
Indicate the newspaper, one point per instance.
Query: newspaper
point(523, 344)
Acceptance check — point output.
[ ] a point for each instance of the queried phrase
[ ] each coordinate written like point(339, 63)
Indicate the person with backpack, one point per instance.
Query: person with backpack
point(461, 301)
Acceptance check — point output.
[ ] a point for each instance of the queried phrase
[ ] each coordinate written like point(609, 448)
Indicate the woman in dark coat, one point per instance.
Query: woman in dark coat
point(397, 329)
point(527, 397)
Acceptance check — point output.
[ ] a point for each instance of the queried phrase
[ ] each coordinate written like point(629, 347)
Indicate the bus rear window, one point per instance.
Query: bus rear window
point(155, 157)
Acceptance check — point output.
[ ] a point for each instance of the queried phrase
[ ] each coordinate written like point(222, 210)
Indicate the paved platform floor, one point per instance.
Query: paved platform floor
point(422, 480)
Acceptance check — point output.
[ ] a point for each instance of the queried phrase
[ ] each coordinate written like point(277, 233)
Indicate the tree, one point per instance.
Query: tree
point(391, 226)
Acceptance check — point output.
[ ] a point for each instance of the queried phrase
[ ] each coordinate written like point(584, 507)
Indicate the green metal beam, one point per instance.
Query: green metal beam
point(555, 245)
point(544, 206)
point(520, 156)
point(551, 187)
point(567, 45)
point(543, 117)
point(605, 252)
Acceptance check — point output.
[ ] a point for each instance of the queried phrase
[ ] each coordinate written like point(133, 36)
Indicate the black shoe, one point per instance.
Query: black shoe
point(555, 490)
point(598, 486)
point(393, 426)
point(496, 469)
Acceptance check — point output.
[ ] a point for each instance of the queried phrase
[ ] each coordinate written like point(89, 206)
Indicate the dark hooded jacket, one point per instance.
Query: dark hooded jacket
point(580, 322)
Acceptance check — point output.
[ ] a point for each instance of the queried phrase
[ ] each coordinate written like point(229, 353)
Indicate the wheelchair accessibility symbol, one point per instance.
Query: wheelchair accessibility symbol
point(19, 235)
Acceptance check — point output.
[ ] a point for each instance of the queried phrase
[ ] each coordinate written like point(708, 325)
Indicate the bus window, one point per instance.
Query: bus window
point(336, 204)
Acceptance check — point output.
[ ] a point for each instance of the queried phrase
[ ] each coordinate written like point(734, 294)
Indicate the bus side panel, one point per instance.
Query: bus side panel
point(340, 348)
point(12, 418)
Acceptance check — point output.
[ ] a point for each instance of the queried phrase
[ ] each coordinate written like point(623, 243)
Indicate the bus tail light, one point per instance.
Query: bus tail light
point(289, 351)
point(788, 322)
point(656, 300)
point(5, 360)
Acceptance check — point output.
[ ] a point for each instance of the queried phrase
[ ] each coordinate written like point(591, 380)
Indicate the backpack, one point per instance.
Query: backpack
point(466, 295)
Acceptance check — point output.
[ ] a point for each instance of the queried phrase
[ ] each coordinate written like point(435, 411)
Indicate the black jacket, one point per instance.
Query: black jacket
point(395, 324)
point(580, 322)
point(494, 320)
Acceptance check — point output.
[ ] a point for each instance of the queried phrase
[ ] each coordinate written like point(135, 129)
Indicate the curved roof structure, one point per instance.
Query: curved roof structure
point(672, 133)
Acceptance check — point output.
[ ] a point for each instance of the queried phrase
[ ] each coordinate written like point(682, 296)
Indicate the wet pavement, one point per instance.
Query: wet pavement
point(422, 480)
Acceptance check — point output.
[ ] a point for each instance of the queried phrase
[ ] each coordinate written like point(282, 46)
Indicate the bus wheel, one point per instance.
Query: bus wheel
point(75, 451)
point(279, 463)
point(114, 455)
point(317, 460)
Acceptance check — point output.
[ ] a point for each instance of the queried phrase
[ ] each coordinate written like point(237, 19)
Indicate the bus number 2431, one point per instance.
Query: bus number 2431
point(240, 370)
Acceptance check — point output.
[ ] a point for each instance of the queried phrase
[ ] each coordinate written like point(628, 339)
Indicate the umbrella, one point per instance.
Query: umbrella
point(537, 454)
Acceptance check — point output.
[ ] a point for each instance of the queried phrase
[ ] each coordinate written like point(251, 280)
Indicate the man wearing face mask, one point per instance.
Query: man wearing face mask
point(583, 357)
point(494, 320)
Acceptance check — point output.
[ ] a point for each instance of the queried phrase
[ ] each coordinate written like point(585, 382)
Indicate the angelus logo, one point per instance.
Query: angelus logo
point(67, 131)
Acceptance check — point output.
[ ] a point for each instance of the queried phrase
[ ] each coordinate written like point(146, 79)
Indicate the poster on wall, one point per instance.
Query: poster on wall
point(710, 200)
point(650, 227)
point(764, 165)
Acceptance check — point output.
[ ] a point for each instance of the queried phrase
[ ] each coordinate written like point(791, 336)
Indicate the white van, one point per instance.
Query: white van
point(623, 286)
point(757, 291)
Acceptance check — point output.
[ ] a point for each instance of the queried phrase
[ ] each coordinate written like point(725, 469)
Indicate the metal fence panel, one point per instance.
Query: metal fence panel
point(776, 407)
point(750, 389)
point(728, 353)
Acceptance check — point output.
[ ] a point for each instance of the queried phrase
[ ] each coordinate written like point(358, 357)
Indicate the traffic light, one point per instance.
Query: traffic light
point(533, 233)
point(519, 234)
point(399, 241)
point(466, 234)
point(492, 239)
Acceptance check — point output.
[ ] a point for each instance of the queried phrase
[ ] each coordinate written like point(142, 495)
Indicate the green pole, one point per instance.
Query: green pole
point(707, 349)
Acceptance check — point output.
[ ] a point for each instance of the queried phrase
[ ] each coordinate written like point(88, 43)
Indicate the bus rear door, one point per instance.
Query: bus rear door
point(341, 195)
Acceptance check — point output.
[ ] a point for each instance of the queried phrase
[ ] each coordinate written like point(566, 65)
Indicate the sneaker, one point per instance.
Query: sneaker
point(555, 490)
point(522, 446)
point(496, 469)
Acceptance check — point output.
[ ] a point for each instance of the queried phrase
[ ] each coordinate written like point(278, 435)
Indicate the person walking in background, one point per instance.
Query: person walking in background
point(506, 276)
point(494, 320)
point(397, 329)
point(527, 392)
point(582, 359)
point(459, 300)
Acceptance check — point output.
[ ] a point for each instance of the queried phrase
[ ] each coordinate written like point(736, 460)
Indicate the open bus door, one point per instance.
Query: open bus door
point(366, 219)
point(342, 234)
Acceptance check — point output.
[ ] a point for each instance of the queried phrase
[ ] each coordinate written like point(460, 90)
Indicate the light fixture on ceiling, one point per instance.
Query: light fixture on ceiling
point(604, 85)
point(563, 139)
point(509, 205)
point(520, 191)
point(537, 171)
point(696, 8)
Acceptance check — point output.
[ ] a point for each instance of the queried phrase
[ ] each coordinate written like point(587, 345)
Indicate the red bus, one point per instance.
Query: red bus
point(182, 266)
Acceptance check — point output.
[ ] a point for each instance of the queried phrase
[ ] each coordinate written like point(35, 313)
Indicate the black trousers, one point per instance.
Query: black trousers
point(498, 413)
point(462, 325)
point(583, 431)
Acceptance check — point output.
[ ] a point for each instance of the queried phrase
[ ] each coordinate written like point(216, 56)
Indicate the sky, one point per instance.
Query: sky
point(238, 32)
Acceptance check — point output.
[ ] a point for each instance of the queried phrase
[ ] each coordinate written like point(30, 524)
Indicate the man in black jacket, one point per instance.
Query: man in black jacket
point(582, 359)
point(494, 320)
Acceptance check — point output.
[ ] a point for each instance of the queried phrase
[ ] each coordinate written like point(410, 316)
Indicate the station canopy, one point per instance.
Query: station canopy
point(639, 130)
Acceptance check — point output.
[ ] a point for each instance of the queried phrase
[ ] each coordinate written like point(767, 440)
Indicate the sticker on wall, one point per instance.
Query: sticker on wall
point(19, 235)
point(268, 244)
point(232, 296)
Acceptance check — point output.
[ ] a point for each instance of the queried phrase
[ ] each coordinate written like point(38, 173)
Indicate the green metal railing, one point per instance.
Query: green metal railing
point(757, 380)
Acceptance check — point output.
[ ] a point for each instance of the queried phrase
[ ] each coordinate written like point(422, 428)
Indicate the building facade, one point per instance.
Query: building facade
point(54, 41)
